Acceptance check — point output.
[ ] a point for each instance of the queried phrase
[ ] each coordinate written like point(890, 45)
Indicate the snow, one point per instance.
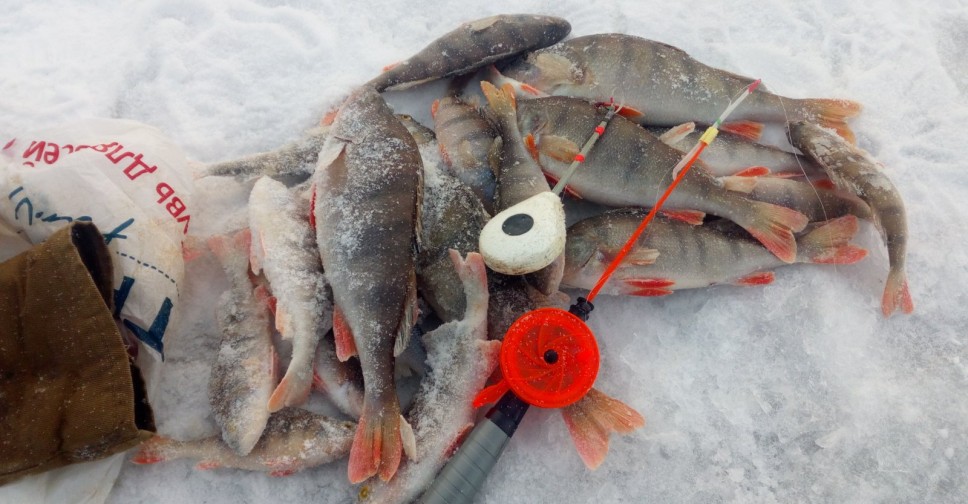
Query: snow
point(799, 391)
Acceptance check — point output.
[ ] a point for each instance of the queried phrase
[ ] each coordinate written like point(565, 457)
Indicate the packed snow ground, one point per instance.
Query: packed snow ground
point(799, 391)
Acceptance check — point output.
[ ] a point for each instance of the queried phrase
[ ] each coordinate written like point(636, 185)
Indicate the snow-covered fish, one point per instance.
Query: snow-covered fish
point(467, 141)
point(661, 85)
point(817, 203)
point(853, 170)
point(366, 209)
point(244, 373)
point(296, 159)
point(294, 440)
point(452, 218)
point(672, 255)
point(460, 359)
point(340, 381)
point(519, 175)
point(471, 46)
point(284, 249)
point(630, 167)
point(733, 154)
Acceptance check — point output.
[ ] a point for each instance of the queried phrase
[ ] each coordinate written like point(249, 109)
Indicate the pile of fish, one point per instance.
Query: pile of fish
point(375, 237)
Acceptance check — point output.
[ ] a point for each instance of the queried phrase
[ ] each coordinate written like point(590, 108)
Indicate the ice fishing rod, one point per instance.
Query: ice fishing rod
point(549, 357)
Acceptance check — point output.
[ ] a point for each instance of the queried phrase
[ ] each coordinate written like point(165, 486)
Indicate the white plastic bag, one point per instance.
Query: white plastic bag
point(132, 182)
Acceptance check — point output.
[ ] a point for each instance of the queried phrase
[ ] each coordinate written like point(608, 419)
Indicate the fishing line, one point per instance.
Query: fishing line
point(678, 172)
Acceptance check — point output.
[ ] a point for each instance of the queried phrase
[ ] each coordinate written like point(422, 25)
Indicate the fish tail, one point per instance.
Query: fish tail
point(157, 449)
point(896, 294)
point(832, 113)
point(773, 226)
point(827, 244)
point(501, 101)
point(592, 419)
point(473, 275)
point(293, 389)
point(378, 443)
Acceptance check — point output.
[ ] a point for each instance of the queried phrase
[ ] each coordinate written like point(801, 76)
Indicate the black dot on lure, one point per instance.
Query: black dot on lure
point(517, 224)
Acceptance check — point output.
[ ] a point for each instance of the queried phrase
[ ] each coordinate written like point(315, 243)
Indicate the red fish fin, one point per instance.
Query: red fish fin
point(649, 287)
point(827, 243)
point(643, 257)
point(678, 133)
point(631, 113)
point(750, 130)
point(592, 419)
point(694, 217)
point(833, 114)
point(761, 278)
point(553, 181)
point(825, 184)
point(753, 171)
point(773, 226)
point(377, 445)
point(207, 465)
point(281, 318)
point(739, 184)
point(153, 451)
point(391, 66)
point(896, 294)
point(433, 108)
point(224, 246)
point(491, 394)
point(408, 318)
point(559, 148)
point(345, 344)
point(318, 382)
point(329, 117)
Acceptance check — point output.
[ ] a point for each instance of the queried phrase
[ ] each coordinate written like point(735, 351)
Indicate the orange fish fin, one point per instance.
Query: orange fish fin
point(753, 171)
point(773, 226)
point(631, 113)
point(289, 392)
point(329, 117)
point(508, 90)
point(391, 66)
point(760, 278)
point(896, 294)
point(153, 451)
point(377, 446)
point(312, 208)
point(433, 108)
point(207, 465)
point(827, 243)
point(531, 90)
point(749, 130)
point(678, 133)
point(592, 419)
point(559, 148)
point(643, 257)
point(345, 344)
point(318, 382)
point(650, 282)
point(736, 183)
point(553, 181)
point(833, 114)
point(532, 146)
point(694, 217)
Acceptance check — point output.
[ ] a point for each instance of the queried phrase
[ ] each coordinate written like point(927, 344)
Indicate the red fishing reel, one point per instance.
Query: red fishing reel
point(549, 358)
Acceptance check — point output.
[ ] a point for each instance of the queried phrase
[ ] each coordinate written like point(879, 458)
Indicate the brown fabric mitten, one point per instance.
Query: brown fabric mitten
point(68, 391)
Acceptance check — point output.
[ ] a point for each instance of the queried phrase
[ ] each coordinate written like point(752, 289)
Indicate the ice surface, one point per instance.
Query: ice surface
point(799, 391)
